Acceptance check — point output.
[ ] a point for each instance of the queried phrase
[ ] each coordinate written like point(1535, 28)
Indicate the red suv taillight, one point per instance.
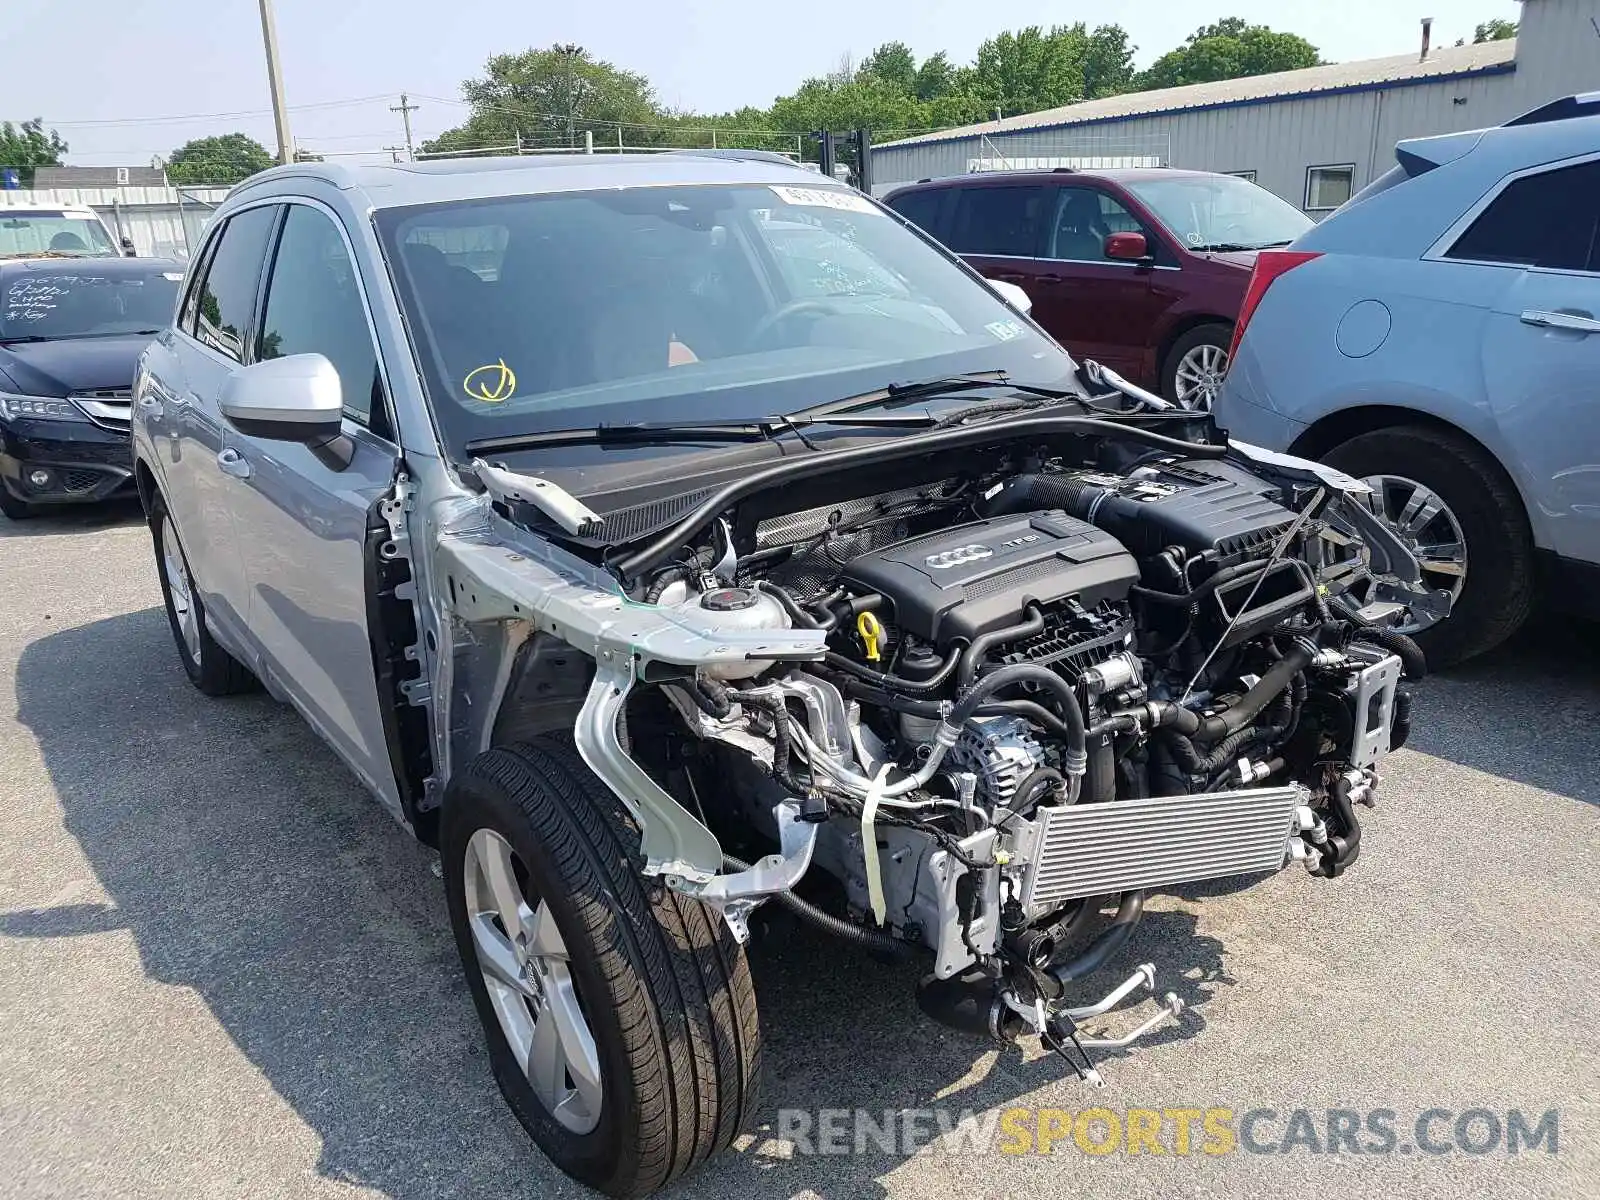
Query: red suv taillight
point(1270, 264)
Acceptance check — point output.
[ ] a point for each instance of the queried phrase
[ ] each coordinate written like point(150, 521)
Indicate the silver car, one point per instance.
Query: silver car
point(1439, 337)
point(655, 535)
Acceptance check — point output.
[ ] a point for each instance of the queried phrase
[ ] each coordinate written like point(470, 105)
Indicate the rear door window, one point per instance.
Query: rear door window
point(1549, 220)
point(1007, 221)
point(228, 296)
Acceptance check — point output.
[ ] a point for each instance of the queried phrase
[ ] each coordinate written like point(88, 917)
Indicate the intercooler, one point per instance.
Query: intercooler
point(1125, 845)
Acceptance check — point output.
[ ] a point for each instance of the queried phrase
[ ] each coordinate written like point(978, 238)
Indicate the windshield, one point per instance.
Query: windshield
point(685, 303)
point(1221, 212)
point(69, 302)
point(77, 234)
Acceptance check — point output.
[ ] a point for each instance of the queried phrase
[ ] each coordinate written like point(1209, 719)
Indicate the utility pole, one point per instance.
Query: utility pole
point(280, 114)
point(571, 50)
point(405, 108)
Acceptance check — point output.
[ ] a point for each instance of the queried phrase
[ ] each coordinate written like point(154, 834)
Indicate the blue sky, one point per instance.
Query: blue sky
point(111, 73)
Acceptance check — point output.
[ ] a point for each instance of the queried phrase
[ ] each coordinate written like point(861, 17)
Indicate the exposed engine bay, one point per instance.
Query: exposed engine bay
point(1035, 689)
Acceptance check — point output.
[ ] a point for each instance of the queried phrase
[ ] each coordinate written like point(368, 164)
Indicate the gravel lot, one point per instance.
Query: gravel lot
point(225, 973)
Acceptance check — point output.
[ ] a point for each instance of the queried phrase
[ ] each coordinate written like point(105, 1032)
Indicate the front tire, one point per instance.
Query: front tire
point(1493, 572)
point(1192, 374)
point(646, 989)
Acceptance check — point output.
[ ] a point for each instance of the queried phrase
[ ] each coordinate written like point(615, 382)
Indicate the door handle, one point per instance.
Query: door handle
point(1577, 322)
point(233, 463)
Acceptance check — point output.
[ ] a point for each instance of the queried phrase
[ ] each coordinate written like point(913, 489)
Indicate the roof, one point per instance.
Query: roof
point(1123, 175)
point(25, 210)
point(444, 179)
point(1400, 70)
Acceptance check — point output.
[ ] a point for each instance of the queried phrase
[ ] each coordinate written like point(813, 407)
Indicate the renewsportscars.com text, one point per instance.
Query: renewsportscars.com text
point(1178, 1131)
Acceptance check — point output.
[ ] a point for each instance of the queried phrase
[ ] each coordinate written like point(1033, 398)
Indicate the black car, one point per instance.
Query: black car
point(71, 331)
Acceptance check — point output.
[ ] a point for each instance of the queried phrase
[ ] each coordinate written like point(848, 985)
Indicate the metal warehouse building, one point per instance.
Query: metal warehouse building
point(1314, 136)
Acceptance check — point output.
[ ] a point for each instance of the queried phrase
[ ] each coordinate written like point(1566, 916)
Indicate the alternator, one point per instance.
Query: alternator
point(1001, 752)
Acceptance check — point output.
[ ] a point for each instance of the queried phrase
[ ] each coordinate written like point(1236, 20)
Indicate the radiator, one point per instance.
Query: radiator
point(1098, 849)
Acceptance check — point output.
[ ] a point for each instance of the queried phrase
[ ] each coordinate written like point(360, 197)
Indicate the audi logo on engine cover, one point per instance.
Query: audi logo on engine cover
point(946, 559)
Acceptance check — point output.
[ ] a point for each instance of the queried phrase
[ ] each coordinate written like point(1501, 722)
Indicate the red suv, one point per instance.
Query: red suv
point(1142, 269)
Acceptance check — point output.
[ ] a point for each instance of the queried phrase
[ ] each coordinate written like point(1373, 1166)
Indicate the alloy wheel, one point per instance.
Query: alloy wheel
point(526, 969)
point(1427, 527)
point(1199, 377)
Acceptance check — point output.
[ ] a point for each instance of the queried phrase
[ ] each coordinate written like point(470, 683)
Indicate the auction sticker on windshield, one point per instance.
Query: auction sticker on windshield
point(824, 198)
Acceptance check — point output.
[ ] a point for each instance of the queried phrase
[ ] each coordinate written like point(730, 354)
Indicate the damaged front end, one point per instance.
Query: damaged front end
point(1009, 684)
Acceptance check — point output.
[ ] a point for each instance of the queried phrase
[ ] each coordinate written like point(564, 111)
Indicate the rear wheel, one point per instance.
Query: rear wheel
point(1194, 369)
point(1456, 510)
point(209, 667)
point(620, 1016)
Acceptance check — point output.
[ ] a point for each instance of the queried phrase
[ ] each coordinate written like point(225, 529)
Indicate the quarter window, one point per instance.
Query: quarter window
point(999, 220)
point(1547, 220)
point(228, 296)
point(1328, 188)
point(314, 307)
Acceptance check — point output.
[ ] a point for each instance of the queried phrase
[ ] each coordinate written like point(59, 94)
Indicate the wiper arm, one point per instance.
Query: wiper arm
point(665, 433)
point(930, 389)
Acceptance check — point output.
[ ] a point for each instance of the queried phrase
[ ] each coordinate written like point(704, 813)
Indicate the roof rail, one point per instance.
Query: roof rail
point(767, 156)
point(1587, 104)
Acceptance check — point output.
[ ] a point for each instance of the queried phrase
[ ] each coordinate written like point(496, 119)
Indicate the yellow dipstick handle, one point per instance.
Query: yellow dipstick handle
point(871, 634)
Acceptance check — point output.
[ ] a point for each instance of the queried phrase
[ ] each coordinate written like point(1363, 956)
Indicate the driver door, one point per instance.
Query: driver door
point(302, 513)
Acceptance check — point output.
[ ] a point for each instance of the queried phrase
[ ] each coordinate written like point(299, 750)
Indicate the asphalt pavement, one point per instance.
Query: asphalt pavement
point(224, 972)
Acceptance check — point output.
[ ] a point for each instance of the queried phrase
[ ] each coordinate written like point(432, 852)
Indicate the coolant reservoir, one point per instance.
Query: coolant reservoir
point(740, 608)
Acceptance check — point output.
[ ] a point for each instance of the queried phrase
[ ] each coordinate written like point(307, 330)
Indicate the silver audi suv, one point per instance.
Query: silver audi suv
point(661, 536)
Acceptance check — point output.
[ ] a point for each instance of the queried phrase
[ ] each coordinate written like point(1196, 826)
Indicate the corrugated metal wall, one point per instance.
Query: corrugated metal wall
point(162, 221)
point(1558, 53)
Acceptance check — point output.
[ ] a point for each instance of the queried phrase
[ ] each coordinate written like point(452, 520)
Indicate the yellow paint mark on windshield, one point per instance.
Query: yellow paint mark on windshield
point(491, 383)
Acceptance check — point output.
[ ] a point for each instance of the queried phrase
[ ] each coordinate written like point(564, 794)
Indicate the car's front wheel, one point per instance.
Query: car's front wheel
point(1192, 375)
point(14, 509)
point(620, 1015)
point(1456, 510)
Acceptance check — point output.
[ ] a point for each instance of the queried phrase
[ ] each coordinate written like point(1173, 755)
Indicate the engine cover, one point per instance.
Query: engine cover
point(976, 578)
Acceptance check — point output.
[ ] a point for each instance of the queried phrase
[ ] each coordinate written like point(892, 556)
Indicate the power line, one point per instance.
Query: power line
point(214, 116)
point(405, 109)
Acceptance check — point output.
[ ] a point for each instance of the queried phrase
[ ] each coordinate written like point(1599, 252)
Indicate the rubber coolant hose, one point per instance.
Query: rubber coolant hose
point(872, 939)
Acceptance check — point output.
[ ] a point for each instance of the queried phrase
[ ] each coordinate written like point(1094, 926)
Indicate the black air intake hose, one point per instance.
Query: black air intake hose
point(1034, 493)
point(1400, 727)
point(872, 939)
point(1111, 939)
point(1211, 729)
point(1407, 651)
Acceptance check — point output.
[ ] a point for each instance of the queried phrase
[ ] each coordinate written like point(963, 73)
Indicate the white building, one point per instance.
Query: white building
point(1314, 136)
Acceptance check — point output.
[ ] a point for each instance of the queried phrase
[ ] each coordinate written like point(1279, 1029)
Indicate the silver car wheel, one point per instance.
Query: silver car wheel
point(526, 970)
point(1199, 376)
point(180, 589)
point(1424, 522)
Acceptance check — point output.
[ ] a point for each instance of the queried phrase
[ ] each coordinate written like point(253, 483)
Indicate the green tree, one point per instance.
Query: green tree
point(936, 77)
point(549, 97)
point(1496, 30)
point(1035, 68)
point(222, 160)
point(1230, 49)
point(894, 64)
point(30, 146)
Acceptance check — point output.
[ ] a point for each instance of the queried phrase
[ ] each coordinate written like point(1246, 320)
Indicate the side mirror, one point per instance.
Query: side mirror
point(1127, 247)
point(291, 399)
point(127, 247)
point(1012, 295)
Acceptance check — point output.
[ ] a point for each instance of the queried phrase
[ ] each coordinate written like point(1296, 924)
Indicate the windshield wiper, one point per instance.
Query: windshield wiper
point(27, 337)
point(644, 433)
point(1235, 247)
point(932, 389)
